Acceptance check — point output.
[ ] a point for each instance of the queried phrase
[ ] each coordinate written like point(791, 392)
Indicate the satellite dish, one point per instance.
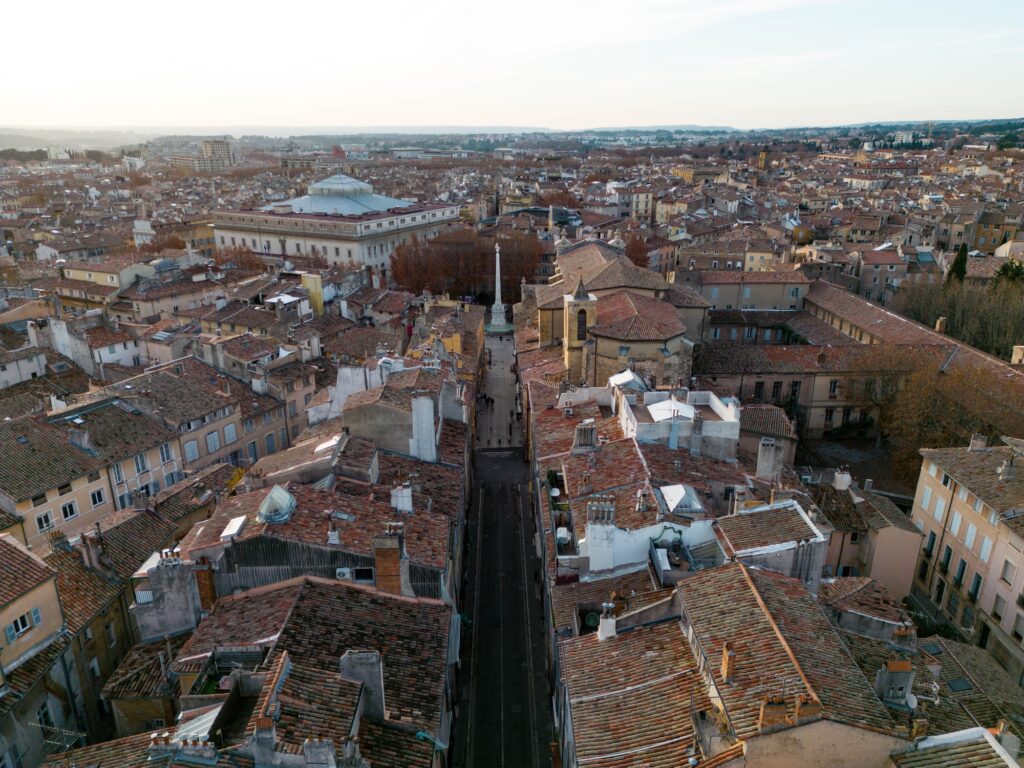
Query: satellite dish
point(912, 701)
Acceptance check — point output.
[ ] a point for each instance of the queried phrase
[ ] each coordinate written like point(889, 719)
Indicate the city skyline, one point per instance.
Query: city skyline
point(742, 64)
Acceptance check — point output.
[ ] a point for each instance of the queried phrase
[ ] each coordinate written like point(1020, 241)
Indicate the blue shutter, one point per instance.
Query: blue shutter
point(11, 634)
point(37, 617)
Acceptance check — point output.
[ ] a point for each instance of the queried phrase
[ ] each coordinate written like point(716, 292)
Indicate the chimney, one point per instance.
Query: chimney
point(390, 562)
point(80, 439)
point(606, 627)
point(841, 481)
point(807, 708)
point(893, 682)
point(940, 325)
point(1007, 471)
point(769, 460)
point(822, 359)
point(585, 438)
point(401, 498)
point(423, 443)
point(904, 638)
point(265, 733)
point(332, 533)
point(225, 386)
point(585, 485)
point(641, 501)
point(728, 662)
point(93, 552)
point(978, 443)
point(918, 728)
point(365, 667)
point(204, 584)
point(1016, 355)
point(773, 712)
point(1007, 740)
point(319, 752)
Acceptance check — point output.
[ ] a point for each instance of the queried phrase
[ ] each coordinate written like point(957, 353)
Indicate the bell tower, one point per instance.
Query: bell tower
point(579, 313)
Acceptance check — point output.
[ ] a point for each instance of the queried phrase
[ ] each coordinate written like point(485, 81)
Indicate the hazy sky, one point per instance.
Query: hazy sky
point(550, 63)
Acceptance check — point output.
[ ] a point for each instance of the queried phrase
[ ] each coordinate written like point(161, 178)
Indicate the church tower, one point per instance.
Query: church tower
point(579, 313)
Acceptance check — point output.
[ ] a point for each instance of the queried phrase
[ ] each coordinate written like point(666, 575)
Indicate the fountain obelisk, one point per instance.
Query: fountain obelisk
point(499, 313)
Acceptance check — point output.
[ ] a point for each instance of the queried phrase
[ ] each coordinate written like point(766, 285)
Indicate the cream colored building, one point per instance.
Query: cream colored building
point(49, 483)
point(970, 573)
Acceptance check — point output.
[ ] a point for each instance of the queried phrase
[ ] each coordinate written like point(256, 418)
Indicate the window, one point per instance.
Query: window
point(11, 758)
point(96, 497)
point(267, 417)
point(253, 454)
point(249, 426)
point(986, 549)
point(43, 716)
point(1008, 572)
point(998, 608)
point(930, 546)
point(18, 627)
point(191, 450)
point(946, 480)
point(69, 511)
point(293, 408)
point(940, 507)
point(975, 589)
point(213, 441)
point(932, 469)
point(166, 454)
point(108, 631)
point(230, 433)
point(141, 464)
point(954, 525)
point(63, 490)
point(284, 437)
point(44, 522)
point(830, 414)
point(1018, 627)
point(270, 443)
point(118, 475)
point(961, 571)
point(94, 668)
point(962, 494)
point(758, 390)
point(972, 531)
point(39, 499)
point(581, 325)
point(926, 498)
point(833, 387)
point(776, 390)
point(794, 390)
point(953, 604)
point(947, 556)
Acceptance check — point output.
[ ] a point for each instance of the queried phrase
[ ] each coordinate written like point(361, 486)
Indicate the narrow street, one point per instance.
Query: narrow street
point(505, 717)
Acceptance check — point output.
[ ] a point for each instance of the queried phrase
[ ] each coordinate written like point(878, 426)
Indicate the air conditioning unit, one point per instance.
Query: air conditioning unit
point(343, 573)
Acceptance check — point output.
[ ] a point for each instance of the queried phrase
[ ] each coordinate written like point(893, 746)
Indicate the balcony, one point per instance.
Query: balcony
point(944, 567)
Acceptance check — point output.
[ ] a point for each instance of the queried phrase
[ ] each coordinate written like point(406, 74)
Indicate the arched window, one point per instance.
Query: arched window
point(581, 325)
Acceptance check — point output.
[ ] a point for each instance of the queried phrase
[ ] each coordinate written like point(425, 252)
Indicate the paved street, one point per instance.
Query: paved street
point(504, 706)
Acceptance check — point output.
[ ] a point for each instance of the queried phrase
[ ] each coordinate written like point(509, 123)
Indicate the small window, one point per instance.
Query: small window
point(69, 511)
point(166, 454)
point(94, 668)
point(63, 490)
point(108, 631)
point(92, 477)
point(44, 522)
point(363, 574)
point(213, 441)
point(191, 450)
point(230, 433)
point(141, 463)
point(39, 499)
point(1008, 572)
point(118, 475)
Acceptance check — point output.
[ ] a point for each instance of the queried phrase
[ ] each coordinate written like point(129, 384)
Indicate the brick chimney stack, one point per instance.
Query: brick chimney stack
point(390, 562)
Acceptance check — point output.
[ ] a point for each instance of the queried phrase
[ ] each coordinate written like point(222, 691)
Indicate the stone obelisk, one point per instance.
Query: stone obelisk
point(499, 313)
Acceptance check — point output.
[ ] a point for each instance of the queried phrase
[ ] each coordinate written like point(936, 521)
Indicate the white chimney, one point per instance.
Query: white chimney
point(401, 498)
point(606, 627)
point(423, 444)
point(842, 480)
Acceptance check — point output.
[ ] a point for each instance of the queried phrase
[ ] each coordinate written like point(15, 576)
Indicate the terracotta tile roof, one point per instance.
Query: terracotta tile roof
point(567, 598)
point(775, 525)
point(554, 431)
point(862, 595)
point(188, 495)
point(27, 675)
point(315, 701)
point(133, 752)
point(633, 317)
point(35, 457)
point(411, 634)
point(360, 343)
point(255, 617)
point(140, 676)
point(387, 746)
point(630, 697)
point(779, 634)
point(768, 420)
point(426, 532)
point(117, 430)
point(976, 471)
point(720, 276)
point(22, 571)
point(83, 592)
point(130, 536)
point(971, 750)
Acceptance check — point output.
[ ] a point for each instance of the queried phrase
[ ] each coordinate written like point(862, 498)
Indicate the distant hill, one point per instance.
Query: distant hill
point(683, 128)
